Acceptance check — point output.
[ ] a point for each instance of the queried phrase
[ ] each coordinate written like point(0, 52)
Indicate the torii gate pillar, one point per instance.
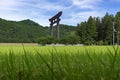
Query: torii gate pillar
point(53, 20)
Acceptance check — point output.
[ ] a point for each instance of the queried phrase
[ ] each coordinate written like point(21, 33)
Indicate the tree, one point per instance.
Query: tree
point(81, 31)
point(91, 30)
point(99, 30)
point(117, 21)
point(117, 26)
point(107, 26)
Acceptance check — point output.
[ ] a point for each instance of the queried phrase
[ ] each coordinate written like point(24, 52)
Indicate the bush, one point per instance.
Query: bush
point(72, 39)
point(47, 40)
point(100, 42)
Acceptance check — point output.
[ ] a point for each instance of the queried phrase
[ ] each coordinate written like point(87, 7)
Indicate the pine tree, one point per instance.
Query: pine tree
point(91, 30)
point(99, 29)
point(81, 31)
point(117, 26)
point(107, 26)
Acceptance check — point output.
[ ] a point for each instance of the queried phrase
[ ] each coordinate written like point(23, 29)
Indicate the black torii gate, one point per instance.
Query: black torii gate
point(53, 20)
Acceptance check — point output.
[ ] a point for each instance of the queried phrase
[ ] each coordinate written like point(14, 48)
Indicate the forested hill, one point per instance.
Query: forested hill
point(27, 31)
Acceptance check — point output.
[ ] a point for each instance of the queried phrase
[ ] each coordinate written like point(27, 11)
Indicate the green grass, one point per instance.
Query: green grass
point(59, 63)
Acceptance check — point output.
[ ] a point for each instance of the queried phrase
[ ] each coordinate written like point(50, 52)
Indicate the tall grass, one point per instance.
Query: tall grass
point(61, 64)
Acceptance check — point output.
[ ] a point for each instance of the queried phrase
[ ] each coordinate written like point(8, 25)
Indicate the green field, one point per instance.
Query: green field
point(59, 63)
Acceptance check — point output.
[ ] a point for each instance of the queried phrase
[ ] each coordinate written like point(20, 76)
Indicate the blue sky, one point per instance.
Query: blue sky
point(74, 11)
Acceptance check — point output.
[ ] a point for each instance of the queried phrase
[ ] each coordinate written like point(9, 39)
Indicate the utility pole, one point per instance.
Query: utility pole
point(113, 33)
point(118, 37)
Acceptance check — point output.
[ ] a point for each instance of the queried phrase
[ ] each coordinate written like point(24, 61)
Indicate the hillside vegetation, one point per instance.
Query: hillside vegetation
point(27, 31)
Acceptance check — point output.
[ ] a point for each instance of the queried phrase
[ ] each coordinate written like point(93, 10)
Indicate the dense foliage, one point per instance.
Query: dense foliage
point(46, 40)
point(99, 30)
point(71, 39)
point(27, 31)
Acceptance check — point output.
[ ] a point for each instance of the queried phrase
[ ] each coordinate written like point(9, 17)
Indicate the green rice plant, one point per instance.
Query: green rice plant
point(60, 63)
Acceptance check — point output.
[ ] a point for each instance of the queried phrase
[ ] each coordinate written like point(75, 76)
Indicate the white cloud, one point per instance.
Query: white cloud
point(33, 9)
point(91, 4)
point(88, 13)
point(5, 3)
point(9, 4)
point(38, 10)
point(51, 6)
point(82, 16)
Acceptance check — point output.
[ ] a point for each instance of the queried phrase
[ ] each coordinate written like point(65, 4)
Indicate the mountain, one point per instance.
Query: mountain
point(28, 31)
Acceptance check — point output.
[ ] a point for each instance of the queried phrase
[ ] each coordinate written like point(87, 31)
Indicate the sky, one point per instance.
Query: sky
point(74, 11)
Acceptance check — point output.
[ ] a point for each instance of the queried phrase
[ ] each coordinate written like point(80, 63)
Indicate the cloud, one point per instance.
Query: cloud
point(74, 11)
point(82, 16)
point(5, 3)
point(86, 3)
point(82, 9)
point(34, 9)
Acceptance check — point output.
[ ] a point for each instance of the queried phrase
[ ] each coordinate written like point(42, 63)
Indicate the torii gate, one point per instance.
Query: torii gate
point(53, 20)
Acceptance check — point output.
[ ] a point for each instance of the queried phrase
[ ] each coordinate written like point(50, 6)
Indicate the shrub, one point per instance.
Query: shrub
point(72, 39)
point(47, 40)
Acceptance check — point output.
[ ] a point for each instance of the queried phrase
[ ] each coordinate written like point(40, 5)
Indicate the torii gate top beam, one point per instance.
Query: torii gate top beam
point(56, 16)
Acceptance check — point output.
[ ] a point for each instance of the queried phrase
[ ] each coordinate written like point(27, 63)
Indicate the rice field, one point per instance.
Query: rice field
point(59, 62)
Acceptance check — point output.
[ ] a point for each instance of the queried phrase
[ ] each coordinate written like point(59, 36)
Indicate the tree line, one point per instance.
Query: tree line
point(98, 30)
point(94, 31)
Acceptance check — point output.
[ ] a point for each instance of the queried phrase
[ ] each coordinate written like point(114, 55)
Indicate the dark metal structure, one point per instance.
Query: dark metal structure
point(53, 20)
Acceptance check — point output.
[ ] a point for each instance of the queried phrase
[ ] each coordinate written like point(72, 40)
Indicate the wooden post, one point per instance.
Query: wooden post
point(58, 31)
point(113, 34)
point(118, 37)
point(51, 30)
